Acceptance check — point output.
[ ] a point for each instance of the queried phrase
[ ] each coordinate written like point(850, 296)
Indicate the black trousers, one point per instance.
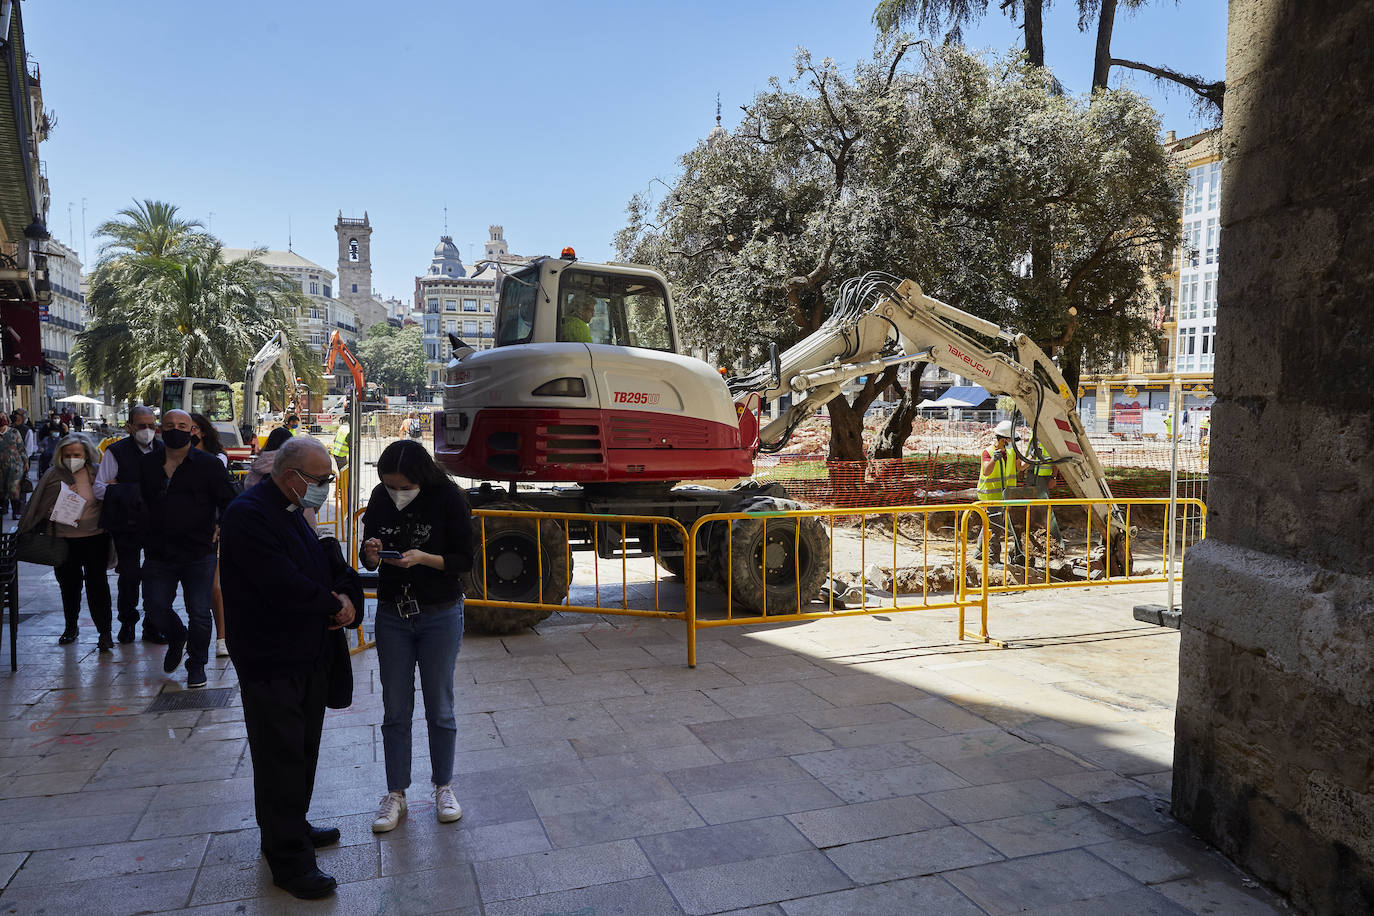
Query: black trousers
point(284, 717)
point(87, 559)
point(129, 567)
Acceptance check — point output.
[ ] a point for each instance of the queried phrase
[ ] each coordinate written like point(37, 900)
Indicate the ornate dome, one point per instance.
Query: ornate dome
point(447, 262)
point(446, 250)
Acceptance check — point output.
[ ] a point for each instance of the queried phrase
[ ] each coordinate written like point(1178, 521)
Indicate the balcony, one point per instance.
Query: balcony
point(352, 329)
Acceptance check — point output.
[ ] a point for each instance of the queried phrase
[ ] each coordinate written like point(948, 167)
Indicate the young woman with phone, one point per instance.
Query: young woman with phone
point(418, 529)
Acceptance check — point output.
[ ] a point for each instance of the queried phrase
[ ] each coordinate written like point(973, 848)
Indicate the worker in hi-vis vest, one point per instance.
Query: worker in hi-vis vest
point(997, 472)
point(339, 449)
point(1044, 475)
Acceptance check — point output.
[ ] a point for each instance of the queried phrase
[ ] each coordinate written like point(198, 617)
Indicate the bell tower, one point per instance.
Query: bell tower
point(355, 258)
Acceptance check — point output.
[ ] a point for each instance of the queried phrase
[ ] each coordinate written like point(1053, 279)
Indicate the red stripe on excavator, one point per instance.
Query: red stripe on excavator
point(1073, 447)
point(1063, 424)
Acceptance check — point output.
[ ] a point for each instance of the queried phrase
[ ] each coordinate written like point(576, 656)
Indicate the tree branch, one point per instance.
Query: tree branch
point(1212, 92)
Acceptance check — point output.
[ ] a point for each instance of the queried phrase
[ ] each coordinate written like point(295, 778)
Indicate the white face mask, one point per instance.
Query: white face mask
point(402, 498)
point(74, 464)
point(144, 436)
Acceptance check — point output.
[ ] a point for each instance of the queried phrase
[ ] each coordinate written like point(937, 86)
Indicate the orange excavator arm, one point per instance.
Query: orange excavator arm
point(337, 348)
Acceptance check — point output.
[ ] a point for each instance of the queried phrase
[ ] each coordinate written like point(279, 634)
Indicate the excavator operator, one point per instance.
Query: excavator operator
point(576, 326)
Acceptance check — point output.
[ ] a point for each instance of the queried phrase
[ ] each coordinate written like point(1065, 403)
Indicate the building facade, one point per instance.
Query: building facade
point(449, 301)
point(25, 286)
point(62, 320)
point(1135, 398)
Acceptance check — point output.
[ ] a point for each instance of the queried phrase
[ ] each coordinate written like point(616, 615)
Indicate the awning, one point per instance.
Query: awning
point(959, 396)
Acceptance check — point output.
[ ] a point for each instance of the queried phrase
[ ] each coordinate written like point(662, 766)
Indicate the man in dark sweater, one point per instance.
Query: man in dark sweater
point(121, 514)
point(185, 491)
point(279, 607)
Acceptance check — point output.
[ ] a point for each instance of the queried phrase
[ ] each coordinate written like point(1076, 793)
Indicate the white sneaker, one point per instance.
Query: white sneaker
point(221, 649)
point(390, 812)
point(446, 806)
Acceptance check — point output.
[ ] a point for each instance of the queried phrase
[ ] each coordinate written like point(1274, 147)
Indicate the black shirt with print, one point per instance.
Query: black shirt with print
point(437, 521)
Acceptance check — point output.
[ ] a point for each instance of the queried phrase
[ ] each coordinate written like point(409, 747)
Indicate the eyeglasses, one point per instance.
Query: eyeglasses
point(326, 480)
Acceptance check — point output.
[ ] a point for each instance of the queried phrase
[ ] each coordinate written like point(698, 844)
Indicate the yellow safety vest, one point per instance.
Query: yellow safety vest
point(1001, 475)
point(340, 446)
point(1043, 470)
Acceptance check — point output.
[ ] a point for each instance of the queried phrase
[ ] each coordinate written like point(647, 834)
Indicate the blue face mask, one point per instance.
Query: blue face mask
point(315, 493)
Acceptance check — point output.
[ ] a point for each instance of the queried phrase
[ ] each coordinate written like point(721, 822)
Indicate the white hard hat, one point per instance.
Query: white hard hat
point(1003, 430)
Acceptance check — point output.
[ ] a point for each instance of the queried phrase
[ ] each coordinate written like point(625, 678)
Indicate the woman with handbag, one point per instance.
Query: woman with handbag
point(88, 547)
point(418, 527)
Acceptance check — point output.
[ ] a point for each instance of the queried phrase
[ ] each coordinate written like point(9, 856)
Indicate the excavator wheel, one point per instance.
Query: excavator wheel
point(793, 555)
point(517, 551)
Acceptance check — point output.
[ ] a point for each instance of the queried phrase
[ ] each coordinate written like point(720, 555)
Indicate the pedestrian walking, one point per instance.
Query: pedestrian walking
point(282, 597)
point(14, 464)
point(185, 491)
point(413, 427)
point(88, 546)
point(122, 513)
point(207, 438)
point(209, 443)
point(418, 527)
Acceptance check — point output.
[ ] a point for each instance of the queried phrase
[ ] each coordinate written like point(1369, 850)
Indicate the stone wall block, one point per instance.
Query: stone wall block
point(1302, 619)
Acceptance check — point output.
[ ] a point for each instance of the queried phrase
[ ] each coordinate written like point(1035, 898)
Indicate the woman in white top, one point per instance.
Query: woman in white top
point(88, 547)
point(209, 438)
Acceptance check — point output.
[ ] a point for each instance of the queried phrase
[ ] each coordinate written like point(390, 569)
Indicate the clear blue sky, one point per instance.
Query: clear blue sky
point(543, 117)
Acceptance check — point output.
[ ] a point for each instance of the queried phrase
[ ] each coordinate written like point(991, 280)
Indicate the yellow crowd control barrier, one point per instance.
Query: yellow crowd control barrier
point(1036, 567)
point(786, 569)
point(553, 548)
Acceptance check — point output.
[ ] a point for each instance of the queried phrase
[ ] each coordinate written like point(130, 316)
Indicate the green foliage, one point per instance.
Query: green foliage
point(164, 300)
point(393, 357)
point(947, 171)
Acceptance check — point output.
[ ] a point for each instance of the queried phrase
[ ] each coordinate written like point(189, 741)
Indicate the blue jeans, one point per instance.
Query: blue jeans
point(431, 640)
point(197, 578)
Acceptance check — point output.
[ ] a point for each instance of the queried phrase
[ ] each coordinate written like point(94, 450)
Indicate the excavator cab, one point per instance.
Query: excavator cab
point(554, 301)
point(213, 399)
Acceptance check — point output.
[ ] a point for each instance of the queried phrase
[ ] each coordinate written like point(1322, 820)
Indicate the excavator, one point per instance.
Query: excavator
point(585, 387)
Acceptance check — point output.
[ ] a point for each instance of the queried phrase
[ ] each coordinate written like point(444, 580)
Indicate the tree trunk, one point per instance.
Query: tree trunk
point(1035, 32)
point(1070, 368)
point(846, 431)
point(1102, 61)
point(896, 428)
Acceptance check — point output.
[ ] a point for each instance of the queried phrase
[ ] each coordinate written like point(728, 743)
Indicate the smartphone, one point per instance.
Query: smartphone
point(389, 554)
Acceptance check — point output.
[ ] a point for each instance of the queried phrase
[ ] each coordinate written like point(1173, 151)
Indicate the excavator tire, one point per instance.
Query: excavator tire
point(795, 554)
point(517, 552)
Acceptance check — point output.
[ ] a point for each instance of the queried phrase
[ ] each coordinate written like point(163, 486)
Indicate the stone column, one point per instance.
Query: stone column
point(1274, 756)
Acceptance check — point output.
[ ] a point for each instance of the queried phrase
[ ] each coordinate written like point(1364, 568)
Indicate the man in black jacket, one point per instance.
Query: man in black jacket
point(280, 602)
point(121, 514)
point(185, 490)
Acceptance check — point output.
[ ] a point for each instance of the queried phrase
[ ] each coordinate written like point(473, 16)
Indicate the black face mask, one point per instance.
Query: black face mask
point(176, 438)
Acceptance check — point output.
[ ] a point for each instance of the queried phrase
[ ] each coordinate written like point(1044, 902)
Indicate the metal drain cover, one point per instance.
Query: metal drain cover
point(178, 700)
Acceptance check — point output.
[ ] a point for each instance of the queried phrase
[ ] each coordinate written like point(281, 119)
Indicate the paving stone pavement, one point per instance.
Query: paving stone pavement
point(861, 765)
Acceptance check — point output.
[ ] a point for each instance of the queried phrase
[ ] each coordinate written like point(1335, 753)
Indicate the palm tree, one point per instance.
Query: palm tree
point(163, 300)
point(150, 229)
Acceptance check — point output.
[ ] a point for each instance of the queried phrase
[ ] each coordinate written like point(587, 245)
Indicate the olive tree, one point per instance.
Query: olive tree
point(932, 164)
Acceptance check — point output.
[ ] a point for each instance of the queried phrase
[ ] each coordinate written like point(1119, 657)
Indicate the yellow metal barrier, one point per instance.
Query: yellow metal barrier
point(1033, 575)
point(721, 529)
point(594, 522)
point(961, 600)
